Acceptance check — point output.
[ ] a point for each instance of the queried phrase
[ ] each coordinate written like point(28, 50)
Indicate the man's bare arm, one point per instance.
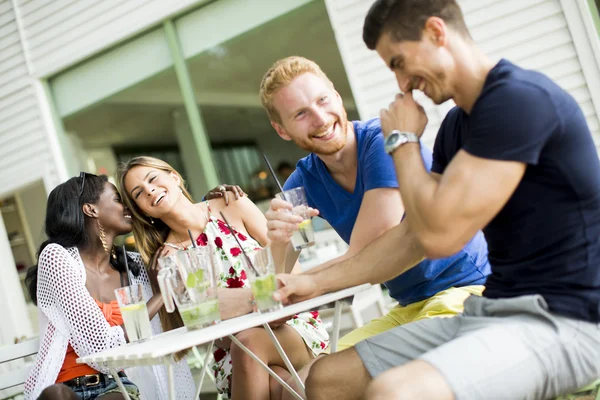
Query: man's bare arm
point(380, 210)
point(393, 253)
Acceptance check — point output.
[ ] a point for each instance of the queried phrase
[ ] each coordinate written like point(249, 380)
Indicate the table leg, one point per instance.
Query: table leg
point(115, 375)
point(171, 380)
point(265, 366)
point(337, 314)
point(206, 358)
point(285, 359)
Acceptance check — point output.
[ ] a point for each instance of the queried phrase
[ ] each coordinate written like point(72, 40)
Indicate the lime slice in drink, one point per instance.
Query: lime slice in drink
point(264, 286)
point(191, 281)
point(258, 285)
point(133, 307)
point(194, 279)
point(304, 224)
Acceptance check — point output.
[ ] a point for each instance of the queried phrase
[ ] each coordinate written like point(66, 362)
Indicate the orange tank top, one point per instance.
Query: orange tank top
point(70, 369)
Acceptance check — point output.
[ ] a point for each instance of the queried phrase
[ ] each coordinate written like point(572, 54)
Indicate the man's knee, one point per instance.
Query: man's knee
point(323, 372)
point(317, 378)
point(339, 374)
point(58, 392)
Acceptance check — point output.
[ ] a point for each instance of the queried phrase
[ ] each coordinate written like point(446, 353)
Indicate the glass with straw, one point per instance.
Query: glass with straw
point(305, 235)
point(260, 269)
point(133, 308)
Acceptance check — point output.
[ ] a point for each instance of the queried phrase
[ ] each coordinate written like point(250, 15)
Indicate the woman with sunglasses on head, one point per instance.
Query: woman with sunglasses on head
point(73, 286)
point(163, 212)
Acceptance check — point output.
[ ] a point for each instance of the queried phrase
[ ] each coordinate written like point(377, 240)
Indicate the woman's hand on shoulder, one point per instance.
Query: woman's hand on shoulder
point(222, 191)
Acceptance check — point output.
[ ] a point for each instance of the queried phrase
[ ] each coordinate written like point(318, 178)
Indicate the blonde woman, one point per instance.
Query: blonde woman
point(163, 213)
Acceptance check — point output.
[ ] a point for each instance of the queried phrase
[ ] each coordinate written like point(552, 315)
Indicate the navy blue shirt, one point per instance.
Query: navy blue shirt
point(546, 239)
point(340, 208)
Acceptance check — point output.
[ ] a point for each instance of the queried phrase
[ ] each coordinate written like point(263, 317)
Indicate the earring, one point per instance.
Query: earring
point(103, 237)
point(152, 220)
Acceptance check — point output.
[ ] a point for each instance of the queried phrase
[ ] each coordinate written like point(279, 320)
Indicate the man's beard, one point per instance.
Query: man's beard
point(331, 147)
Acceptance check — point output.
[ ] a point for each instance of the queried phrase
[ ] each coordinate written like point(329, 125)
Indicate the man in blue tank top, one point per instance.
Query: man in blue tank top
point(350, 180)
point(516, 159)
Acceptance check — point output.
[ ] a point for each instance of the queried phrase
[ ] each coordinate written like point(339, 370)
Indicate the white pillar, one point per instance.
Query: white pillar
point(14, 317)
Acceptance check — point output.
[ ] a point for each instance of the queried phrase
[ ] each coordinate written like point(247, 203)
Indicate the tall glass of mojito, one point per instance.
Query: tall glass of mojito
point(262, 279)
point(134, 311)
point(305, 235)
point(189, 278)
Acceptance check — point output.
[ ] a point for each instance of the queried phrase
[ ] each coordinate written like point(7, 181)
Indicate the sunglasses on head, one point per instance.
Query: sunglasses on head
point(82, 176)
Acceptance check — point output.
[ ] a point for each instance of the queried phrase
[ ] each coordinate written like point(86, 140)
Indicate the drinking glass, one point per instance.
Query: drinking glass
point(264, 284)
point(134, 311)
point(305, 235)
point(189, 278)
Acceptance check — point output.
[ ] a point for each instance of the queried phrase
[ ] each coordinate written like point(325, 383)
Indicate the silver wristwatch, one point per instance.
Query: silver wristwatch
point(396, 139)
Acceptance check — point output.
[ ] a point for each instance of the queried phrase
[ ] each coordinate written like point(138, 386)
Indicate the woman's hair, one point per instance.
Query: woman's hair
point(68, 226)
point(150, 234)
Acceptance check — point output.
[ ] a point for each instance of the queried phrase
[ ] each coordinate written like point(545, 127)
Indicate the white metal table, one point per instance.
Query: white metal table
point(160, 348)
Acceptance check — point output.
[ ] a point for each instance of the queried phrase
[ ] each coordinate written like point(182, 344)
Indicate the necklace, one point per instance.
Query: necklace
point(191, 235)
point(179, 240)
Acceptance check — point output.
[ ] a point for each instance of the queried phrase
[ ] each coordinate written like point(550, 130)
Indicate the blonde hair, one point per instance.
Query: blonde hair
point(150, 235)
point(281, 74)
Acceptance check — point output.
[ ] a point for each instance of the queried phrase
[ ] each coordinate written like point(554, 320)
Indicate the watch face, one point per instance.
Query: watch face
point(393, 139)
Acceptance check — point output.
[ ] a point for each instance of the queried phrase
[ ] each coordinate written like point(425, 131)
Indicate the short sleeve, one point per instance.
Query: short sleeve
point(446, 142)
point(377, 166)
point(293, 181)
point(513, 122)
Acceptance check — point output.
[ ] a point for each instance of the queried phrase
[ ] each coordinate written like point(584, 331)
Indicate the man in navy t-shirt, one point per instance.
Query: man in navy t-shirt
point(516, 159)
point(351, 181)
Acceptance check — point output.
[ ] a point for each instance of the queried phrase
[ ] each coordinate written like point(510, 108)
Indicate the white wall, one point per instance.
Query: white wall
point(26, 152)
point(32, 200)
point(12, 302)
point(552, 36)
point(60, 33)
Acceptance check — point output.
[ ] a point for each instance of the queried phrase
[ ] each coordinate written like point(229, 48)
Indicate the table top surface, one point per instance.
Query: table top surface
point(168, 343)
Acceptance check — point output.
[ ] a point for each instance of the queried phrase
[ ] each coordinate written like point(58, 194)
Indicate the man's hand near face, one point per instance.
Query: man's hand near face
point(405, 115)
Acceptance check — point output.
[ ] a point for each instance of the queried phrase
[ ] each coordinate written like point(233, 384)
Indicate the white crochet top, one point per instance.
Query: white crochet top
point(69, 314)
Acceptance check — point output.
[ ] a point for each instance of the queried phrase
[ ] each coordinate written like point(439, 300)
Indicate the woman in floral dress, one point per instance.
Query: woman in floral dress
point(164, 212)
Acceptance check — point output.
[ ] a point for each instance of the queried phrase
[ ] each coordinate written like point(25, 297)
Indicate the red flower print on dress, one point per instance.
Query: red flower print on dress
point(202, 240)
point(235, 251)
point(243, 275)
point(219, 354)
point(314, 314)
point(231, 271)
point(241, 237)
point(323, 345)
point(219, 242)
point(235, 283)
point(223, 227)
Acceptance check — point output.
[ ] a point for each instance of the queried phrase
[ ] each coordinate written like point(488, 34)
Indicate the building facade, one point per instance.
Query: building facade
point(85, 83)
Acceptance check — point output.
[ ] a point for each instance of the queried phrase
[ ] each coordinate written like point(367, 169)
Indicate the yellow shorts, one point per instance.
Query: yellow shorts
point(446, 303)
